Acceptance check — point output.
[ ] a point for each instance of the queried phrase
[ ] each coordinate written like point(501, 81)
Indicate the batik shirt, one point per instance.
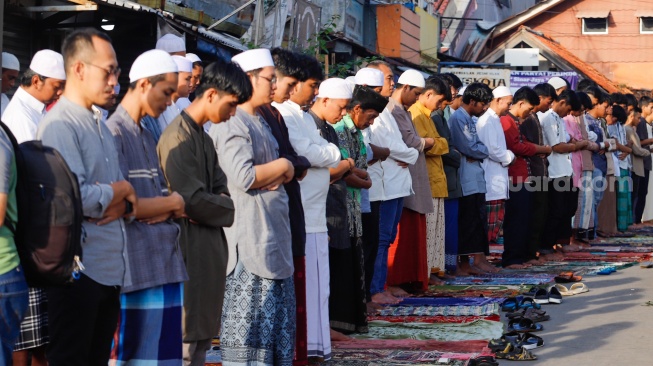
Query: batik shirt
point(352, 146)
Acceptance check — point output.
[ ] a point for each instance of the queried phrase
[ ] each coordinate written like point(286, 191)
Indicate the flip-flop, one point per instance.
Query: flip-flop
point(606, 271)
point(523, 312)
point(566, 277)
point(510, 304)
point(483, 361)
point(646, 265)
point(531, 341)
point(523, 325)
point(541, 297)
point(564, 291)
point(555, 297)
point(531, 292)
point(513, 353)
point(528, 302)
point(578, 288)
point(499, 344)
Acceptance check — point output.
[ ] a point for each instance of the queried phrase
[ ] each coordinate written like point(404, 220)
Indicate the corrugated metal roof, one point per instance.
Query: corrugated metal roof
point(593, 14)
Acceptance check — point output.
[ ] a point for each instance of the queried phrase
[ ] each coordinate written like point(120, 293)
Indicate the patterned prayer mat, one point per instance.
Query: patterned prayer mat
point(472, 291)
point(441, 310)
point(503, 279)
point(477, 346)
point(398, 357)
point(433, 319)
point(479, 329)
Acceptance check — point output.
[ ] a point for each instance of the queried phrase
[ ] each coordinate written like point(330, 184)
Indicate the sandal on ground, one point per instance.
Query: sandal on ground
point(522, 312)
point(555, 297)
point(606, 271)
point(535, 316)
point(531, 341)
point(512, 353)
point(483, 361)
point(510, 304)
point(527, 303)
point(541, 297)
point(578, 288)
point(499, 344)
point(566, 277)
point(564, 291)
point(523, 325)
point(531, 292)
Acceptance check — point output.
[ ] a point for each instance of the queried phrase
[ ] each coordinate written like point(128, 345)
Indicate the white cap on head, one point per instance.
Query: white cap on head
point(183, 64)
point(193, 57)
point(10, 61)
point(253, 59)
point(171, 43)
point(413, 78)
point(49, 64)
point(151, 63)
point(370, 77)
point(462, 89)
point(557, 82)
point(335, 88)
point(351, 79)
point(501, 91)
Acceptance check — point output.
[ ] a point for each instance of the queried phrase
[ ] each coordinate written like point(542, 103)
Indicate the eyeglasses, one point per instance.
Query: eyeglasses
point(109, 72)
point(272, 80)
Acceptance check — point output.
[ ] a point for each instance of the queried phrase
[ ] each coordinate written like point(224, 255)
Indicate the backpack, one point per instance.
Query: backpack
point(49, 228)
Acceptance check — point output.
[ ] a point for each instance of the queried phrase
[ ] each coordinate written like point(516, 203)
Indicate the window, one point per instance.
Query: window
point(595, 25)
point(646, 25)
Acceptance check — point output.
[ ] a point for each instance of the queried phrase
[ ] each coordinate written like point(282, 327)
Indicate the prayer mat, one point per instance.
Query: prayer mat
point(400, 357)
point(473, 291)
point(374, 363)
point(433, 319)
point(445, 310)
point(476, 330)
point(503, 279)
point(477, 346)
point(440, 301)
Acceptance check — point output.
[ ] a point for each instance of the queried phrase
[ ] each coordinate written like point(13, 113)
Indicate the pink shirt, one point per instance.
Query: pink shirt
point(573, 129)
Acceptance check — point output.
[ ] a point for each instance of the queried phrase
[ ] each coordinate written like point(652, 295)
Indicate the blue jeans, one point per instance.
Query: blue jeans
point(13, 305)
point(389, 216)
point(599, 185)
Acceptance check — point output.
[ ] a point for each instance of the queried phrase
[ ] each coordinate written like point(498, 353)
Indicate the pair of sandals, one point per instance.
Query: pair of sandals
point(523, 325)
point(527, 341)
point(552, 296)
point(575, 289)
point(566, 277)
point(512, 352)
point(513, 303)
point(533, 314)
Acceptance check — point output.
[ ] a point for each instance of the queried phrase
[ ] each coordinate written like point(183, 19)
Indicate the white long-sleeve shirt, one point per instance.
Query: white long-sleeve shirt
point(491, 134)
point(307, 142)
point(389, 180)
point(23, 115)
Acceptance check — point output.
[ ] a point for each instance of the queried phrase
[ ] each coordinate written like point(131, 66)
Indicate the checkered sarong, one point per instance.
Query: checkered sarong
point(34, 328)
point(495, 214)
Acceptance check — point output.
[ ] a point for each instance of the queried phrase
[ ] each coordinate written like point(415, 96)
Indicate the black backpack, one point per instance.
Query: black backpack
point(49, 229)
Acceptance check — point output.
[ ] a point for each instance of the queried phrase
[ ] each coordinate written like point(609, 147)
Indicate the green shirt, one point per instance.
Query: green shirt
point(8, 253)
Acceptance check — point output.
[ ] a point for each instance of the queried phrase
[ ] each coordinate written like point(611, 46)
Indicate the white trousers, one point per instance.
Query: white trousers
point(317, 295)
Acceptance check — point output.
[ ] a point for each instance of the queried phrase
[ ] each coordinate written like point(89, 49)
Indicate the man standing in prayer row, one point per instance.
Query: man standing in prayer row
point(185, 67)
point(259, 304)
point(184, 102)
point(640, 184)
point(189, 161)
point(172, 44)
point(10, 71)
point(149, 328)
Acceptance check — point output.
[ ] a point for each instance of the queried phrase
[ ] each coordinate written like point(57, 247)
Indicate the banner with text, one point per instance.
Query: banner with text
point(532, 78)
point(490, 77)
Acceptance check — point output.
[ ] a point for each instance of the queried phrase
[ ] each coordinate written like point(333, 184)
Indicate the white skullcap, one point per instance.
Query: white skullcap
point(462, 89)
point(49, 64)
point(370, 77)
point(413, 78)
point(253, 59)
point(351, 79)
point(501, 91)
point(193, 57)
point(557, 82)
point(335, 88)
point(151, 63)
point(10, 61)
point(171, 43)
point(183, 64)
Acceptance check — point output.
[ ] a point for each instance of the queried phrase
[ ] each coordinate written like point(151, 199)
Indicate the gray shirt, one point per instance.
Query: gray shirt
point(89, 150)
point(260, 235)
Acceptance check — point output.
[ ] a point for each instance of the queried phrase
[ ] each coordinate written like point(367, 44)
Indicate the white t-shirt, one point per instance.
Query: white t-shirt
point(23, 115)
point(554, 133)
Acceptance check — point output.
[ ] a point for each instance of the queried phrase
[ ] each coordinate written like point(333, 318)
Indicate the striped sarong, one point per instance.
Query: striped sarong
point(149, 327)
point(583, 218)
point(435, 232)
point(258, 320)
point(495, 214)
point(624, 202)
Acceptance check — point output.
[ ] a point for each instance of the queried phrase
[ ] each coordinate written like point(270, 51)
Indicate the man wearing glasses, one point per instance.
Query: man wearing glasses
point(84, 314)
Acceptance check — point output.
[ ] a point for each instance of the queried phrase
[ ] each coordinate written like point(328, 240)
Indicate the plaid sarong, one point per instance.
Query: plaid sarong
point(624, 202)
point(149, 327)
point(584, 218)
point(495, 214)
point(34, 327)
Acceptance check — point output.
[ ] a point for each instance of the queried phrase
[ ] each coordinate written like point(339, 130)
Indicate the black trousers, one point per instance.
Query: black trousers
point(472, 225)
point(516, 228)
point(370, 243)
point(82, 318)
point(563, 201)
point(640, 190)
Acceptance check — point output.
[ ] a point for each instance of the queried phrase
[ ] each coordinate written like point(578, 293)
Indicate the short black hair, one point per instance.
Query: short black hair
point(584, 84)
point(287, 63)
point(377, 63)
point(596, 92)
point(631, 100)
point(198, 64)
point(438, 85)
point(367, 98)
point(644, 101)
point(617, 98)
point(225, 77)
point(79, 41)
point(312, 68)
point(545, 90)
point(619, 113)
point(454, 80)
point(570, 97)
point(26, 78)
point(479, 92)
point(526, 94)
point(152, 79)
point(585, 100)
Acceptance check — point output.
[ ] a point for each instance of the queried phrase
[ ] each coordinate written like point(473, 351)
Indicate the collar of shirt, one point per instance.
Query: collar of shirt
point(28, 99)
point(513, 118)
point(318, 121)
point(422, 109)
point(294, 106)
point(191, 122)
point(492, 113)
